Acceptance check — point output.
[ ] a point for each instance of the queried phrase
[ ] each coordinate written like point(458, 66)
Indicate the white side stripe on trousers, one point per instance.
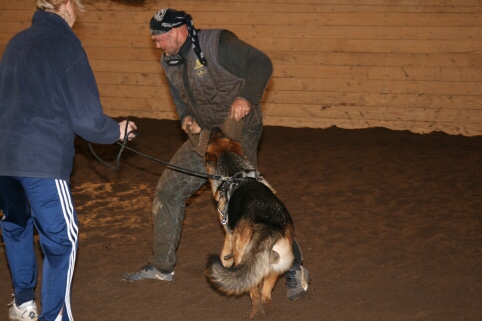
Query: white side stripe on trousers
point(73, 232)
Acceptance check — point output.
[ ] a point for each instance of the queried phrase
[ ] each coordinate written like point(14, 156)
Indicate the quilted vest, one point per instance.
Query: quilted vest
point(208, 90)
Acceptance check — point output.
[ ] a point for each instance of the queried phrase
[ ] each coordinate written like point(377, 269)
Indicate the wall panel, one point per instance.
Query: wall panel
point(406, 65)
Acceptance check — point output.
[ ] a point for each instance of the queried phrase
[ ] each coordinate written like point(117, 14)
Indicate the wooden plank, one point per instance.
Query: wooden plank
point(410, 3)
point(475, 60)
point(125, 54)
point(322, 100)
point(126, 66)
point(307, 58)
point(394, 32)
point(327, 45)
point(139, 107)
point(406, 64)
point(360, 32)
point(384, 19)
point(13, 27)
point(389, 113)
point(152, 108)
point(148, 76)
point(426, 73)
point(158, 114)
point(329, 99)
point(86, 30)
point(378, 86)
point(293, 6)
point(316, 72)
point(4, 39)
point(133, 91)
point(240, 10)
point(17, 15)
point(304, 32)
point(336, 113)
point(421, 127)
point(371, 46)
point(416, 127)
point(131, 79)
point(374, 46)
point(163, 103)
point(370, 59)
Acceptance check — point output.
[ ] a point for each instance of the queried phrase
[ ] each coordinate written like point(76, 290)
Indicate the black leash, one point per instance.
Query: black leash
point(171, 166)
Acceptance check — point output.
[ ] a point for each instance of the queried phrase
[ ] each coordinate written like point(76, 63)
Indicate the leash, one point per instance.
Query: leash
point(171, 166)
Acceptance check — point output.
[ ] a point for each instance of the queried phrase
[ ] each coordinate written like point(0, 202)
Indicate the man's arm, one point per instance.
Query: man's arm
point(245, 61)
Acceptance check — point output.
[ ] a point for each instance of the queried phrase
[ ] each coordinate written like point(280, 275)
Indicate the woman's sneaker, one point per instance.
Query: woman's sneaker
point(25, 312)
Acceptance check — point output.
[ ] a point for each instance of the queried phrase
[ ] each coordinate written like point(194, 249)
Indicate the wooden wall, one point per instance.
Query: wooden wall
point(402, 64)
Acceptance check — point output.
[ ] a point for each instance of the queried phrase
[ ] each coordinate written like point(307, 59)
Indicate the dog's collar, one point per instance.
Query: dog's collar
point(239, 176)
point(231, 182)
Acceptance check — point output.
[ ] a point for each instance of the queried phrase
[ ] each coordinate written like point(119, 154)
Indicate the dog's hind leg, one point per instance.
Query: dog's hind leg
point(268, 285)
point(256, 302)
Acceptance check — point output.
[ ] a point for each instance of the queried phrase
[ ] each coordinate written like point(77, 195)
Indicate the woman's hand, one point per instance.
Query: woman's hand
point(131, 127)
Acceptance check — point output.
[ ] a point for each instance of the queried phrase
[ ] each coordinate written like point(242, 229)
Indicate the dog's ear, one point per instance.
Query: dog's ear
point(236, 147)
point(210, 159)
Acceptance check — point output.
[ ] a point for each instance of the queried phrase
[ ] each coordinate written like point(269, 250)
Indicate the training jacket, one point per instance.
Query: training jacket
point(234, 69)
point(48, 94)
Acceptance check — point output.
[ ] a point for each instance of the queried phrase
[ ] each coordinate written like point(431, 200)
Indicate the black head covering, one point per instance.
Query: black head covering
point(166, 19)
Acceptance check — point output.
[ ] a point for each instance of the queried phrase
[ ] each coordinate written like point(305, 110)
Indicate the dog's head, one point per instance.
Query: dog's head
point(218, 144)
point(225, 157)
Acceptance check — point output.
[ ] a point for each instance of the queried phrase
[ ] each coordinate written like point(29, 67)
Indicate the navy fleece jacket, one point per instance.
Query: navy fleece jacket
point(48, 95)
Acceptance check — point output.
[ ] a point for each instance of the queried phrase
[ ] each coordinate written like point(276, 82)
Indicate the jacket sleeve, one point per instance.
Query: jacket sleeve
point(245, 61)
point(79, 91)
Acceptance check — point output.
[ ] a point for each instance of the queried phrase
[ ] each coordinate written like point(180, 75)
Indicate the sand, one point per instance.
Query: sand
point(389, 223)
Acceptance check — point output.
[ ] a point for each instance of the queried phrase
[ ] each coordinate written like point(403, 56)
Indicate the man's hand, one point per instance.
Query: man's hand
point(240, 108)
point(190, 124)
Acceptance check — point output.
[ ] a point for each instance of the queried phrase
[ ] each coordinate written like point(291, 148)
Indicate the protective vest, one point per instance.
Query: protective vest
point(208, 90)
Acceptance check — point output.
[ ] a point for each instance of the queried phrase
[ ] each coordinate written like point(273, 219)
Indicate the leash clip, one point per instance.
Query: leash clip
point(224, 218)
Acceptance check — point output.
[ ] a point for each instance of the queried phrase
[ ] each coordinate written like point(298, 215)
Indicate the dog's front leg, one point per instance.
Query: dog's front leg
point(227, 252)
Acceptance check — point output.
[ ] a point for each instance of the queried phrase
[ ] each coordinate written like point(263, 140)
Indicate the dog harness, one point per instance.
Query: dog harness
point(229, 185)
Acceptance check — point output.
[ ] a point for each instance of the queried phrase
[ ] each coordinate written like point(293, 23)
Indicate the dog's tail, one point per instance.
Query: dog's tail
point(261, 257)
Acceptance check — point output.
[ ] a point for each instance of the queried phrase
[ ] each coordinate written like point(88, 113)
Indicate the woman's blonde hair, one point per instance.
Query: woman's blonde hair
point(54, 5)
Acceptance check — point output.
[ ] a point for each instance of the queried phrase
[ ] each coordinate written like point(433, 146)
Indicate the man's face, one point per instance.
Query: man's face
point(167, 42)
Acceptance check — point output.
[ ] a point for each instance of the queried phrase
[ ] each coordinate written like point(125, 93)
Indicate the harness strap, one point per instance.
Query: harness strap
point(229, 185)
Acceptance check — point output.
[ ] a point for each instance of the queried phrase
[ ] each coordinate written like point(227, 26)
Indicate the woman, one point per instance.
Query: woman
point(48, 95)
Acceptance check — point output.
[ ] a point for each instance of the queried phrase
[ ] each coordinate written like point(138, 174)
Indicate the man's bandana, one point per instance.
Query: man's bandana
point(166, 19)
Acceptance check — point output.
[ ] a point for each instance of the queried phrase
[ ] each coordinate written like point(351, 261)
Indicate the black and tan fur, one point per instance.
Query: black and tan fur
point(259, 230)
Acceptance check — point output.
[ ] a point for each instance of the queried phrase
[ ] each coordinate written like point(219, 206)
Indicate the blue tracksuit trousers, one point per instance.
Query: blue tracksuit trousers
point(45, 204)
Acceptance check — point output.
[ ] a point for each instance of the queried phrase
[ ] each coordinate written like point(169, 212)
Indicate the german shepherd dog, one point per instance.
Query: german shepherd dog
point(259, 230)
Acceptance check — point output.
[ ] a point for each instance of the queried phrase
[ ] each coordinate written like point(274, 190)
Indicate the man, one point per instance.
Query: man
point(213, 76)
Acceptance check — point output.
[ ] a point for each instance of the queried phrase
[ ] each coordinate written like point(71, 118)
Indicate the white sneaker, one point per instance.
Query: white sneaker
point(24, 312)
